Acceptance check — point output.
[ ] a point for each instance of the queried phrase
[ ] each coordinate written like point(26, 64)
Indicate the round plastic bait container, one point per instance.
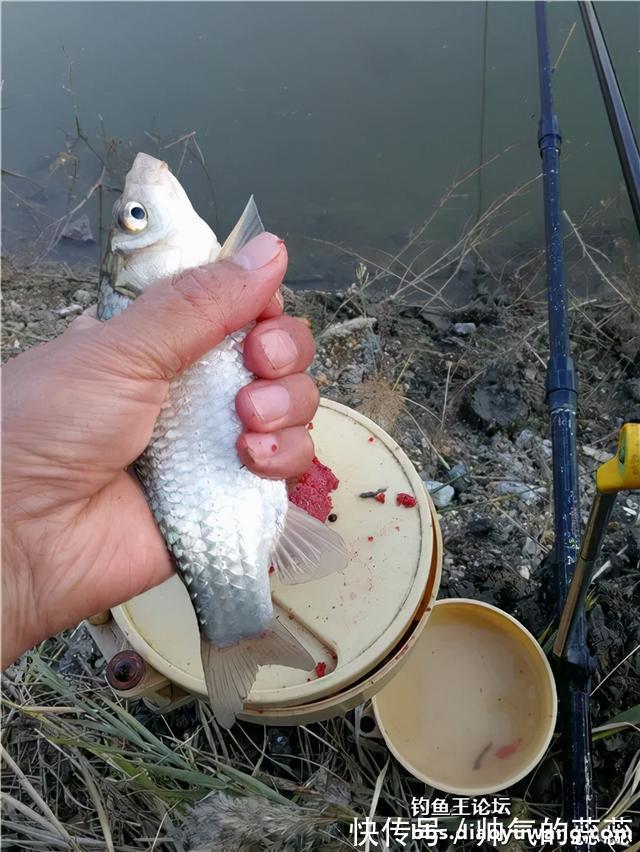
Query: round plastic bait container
point(357, 624)
point(462, 693)
point(474, 709)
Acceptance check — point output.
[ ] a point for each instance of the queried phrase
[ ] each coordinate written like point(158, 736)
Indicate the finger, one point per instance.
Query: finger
point(176, 321)
point(268, 405)
point(278, 347)
point(277, 455)
point(274, 308)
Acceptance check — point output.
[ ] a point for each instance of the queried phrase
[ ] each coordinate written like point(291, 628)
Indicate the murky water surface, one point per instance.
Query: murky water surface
point(348, 121)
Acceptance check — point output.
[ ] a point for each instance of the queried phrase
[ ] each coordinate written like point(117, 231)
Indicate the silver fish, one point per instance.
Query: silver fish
point(223, 525)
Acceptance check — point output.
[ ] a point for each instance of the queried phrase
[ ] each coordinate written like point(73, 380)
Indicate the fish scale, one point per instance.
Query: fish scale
point(219, 520)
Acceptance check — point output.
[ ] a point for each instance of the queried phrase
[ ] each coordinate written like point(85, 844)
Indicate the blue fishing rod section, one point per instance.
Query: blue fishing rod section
point(619, 121)
point(573, 674)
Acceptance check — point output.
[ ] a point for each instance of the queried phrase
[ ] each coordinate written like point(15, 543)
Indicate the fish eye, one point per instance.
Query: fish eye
point(133, 218)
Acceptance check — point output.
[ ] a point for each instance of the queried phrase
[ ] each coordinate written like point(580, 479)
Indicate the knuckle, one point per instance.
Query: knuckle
point(304, 336)
point(304, 457)
point(309, 385)
point(164, 357)
point(307, 448)
point(202, 289)
point(307, 391)
point(314, 392)
point(147, 357)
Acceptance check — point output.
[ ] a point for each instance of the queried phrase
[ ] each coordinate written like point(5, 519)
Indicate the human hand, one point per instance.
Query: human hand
point(78, 536)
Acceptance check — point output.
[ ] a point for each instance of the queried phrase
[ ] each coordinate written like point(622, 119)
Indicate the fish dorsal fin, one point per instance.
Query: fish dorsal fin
point(231, 672)
point(306, 549)
point(248, 226)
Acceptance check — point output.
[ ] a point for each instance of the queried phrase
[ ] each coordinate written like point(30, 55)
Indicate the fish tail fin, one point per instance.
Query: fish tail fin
point(229, 673)
point(306, 549)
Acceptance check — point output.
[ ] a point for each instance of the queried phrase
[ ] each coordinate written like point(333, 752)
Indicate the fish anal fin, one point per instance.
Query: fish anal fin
point(307, 549)
point(280, 647)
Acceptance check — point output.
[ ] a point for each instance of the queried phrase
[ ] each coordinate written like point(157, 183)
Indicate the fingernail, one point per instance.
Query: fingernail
point(258, 252)
point(279, 348)
point(261, 446)
point(270, 401)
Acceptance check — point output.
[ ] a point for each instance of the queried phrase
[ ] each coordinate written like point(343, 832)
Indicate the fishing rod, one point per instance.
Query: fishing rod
point(574, 670)
point(623, 471)
point(573, 575)
point(619, 120)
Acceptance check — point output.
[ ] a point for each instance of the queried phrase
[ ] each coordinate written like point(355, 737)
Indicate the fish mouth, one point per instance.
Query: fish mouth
point(148, 170)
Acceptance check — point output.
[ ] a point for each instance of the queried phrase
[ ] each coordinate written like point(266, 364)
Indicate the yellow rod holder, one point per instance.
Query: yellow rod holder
point(620, 473)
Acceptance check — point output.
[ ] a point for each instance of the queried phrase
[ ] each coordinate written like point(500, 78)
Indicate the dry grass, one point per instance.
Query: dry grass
point(82, 772)
point(382, 402)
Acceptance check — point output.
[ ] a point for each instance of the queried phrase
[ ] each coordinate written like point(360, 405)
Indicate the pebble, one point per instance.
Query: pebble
point(279, 741)
point(344, 329)
point(458, 477)
point(371, 352)
point(352, 375)
point(464, 328)
point(440, 493)
point(79, 230)
point(525, 439)
point(495, 405)
point(527, 493)
point(633, 387)
point(480, 526)
point(68, 310)
point(83, 297)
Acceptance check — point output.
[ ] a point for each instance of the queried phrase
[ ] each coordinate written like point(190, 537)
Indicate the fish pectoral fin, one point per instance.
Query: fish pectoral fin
point(306, 549)
point(229, 673)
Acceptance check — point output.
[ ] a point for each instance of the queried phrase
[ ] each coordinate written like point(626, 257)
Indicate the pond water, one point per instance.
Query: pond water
point(348, 121)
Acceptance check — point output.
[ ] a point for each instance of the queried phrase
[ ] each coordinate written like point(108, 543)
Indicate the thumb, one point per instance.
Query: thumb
point(176, 321)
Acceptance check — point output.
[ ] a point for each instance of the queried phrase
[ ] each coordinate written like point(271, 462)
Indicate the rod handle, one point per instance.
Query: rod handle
point(622, 472)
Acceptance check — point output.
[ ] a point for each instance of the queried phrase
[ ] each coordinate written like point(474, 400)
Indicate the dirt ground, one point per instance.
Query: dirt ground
point(463, 393)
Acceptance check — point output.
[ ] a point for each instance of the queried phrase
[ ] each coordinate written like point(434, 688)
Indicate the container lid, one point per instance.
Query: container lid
point(349, 621)
point(473, 709)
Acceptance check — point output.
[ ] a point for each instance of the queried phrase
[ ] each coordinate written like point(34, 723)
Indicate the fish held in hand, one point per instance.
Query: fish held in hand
point(224, 525)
